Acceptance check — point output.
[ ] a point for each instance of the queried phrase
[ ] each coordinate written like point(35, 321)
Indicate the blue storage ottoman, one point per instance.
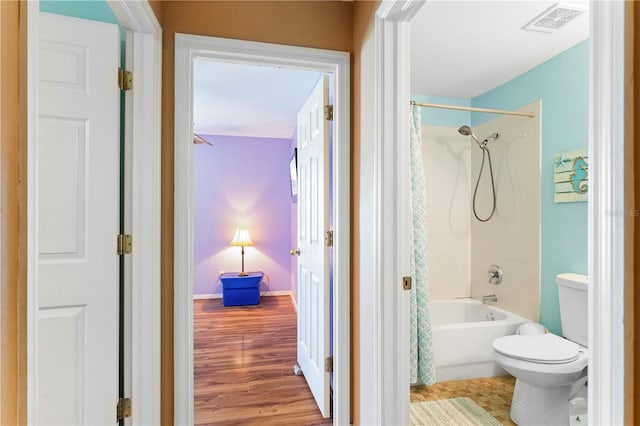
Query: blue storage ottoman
point(240, 290)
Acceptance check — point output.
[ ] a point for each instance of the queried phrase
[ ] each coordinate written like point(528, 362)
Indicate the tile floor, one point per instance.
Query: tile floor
point(492, 393)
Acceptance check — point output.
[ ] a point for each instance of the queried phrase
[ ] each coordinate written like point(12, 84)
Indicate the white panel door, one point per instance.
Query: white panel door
point(78, 218)
point(313, 260)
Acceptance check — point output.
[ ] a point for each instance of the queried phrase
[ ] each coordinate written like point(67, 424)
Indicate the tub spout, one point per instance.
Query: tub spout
point(489, 298)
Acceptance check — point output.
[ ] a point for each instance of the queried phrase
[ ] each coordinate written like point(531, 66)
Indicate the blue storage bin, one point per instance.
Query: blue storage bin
point(241, 290)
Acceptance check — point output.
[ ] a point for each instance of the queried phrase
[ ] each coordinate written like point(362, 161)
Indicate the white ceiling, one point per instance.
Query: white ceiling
point(458, 49)
point(248, 100)
point(462, 49)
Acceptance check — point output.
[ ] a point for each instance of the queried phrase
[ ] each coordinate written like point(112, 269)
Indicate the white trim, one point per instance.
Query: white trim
point(605, 228)
point(207, 296)
point(277, 293)
point(33, 112)
point(265, 294)
point(606, 214)
point(143, 138)
point(136, 16)
point(293, 301)
point(182, 240)
point(386, 390)
point(188, 47)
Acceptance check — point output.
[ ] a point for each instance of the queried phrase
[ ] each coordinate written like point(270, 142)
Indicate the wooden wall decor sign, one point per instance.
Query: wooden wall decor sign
point(571, 176)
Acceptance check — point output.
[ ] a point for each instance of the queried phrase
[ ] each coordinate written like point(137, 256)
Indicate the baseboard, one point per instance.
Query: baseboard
point(277, 293)
point(266, 293)
point(207, 296)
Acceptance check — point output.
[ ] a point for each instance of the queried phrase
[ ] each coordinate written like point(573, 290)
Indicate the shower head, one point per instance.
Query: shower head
point(466, 131)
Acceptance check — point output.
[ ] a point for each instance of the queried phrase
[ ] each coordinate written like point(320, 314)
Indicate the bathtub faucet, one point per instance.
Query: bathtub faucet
point(495, 274)
point(489, 298)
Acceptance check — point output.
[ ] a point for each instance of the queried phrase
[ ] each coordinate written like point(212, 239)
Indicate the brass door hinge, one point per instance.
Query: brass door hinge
point(328, 112)
point(328, 364)
point(125, 244)
point(123, 410)
point(328, 239)
point(125, 79)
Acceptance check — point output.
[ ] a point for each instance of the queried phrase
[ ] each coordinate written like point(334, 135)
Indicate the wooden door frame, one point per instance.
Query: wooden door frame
point(142, 171)
point(187, 48)
point(385, 359)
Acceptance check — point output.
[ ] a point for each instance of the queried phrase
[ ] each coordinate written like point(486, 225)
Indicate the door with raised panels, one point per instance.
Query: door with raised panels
point(78, 222)
point(313, 256)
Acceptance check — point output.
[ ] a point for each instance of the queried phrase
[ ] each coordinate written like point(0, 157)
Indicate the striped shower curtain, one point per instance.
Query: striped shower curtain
point(422, 369)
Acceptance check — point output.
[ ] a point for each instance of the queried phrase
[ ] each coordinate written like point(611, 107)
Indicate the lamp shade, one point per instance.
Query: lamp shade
point(241, 238)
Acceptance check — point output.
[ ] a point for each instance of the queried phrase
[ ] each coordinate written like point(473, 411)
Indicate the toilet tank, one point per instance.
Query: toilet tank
point(572, 292)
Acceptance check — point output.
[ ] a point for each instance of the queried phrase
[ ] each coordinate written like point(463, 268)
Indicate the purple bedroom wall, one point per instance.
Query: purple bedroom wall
point(242, 182)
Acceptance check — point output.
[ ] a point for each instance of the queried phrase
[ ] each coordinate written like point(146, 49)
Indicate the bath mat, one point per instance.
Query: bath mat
point(450, 412)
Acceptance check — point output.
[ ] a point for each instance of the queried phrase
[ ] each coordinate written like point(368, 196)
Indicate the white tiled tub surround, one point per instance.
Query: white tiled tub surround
point(511, 239)
point(460, 247)
point(446, 156)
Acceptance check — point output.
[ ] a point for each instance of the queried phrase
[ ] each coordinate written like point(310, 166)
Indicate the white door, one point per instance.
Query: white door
point(313, 260)
point(78, 213)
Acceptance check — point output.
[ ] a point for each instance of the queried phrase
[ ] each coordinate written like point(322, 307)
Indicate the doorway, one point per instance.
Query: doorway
point(245, 162)
point(142, 117)
point(606, 370)
point(188, 49)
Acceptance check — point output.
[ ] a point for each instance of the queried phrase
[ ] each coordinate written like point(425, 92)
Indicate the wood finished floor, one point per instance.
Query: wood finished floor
point(492, 393)
point(243, 366)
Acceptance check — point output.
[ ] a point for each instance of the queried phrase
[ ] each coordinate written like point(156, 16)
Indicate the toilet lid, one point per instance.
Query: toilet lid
point(544, 348)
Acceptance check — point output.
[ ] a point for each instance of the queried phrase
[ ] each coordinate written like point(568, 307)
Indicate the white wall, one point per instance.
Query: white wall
point(446, 156)
point(511, 239)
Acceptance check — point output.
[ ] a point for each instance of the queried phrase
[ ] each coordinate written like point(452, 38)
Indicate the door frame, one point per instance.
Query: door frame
point(187, 48)
point(388, 387)
point(142, 169)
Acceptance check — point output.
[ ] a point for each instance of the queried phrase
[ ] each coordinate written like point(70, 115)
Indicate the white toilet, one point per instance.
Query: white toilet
point(549, 369)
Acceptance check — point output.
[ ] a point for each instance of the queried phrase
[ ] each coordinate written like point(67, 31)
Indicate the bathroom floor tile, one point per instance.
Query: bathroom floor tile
point(492, 393)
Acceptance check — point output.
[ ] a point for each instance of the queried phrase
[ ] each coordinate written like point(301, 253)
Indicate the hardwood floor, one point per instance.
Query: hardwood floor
point(243, 365)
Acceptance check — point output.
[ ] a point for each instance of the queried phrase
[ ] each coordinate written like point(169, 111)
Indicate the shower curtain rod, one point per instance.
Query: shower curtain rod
point(461, 108)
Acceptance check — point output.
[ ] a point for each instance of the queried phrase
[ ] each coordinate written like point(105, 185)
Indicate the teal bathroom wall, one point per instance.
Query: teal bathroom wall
point(562, 85)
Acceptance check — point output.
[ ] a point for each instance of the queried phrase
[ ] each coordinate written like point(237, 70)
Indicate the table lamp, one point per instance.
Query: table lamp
point(242, 239)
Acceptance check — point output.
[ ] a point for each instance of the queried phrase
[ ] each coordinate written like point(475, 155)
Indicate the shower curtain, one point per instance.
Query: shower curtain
point(422, 369)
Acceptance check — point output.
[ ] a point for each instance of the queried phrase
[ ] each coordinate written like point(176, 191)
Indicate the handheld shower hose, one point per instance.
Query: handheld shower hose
point(485, 150)
point(466, 131)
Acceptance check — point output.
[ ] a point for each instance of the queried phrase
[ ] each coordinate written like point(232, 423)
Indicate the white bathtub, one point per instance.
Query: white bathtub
point(463, 331)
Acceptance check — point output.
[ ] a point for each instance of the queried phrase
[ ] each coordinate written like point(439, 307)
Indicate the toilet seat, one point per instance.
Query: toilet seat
point(541, 348)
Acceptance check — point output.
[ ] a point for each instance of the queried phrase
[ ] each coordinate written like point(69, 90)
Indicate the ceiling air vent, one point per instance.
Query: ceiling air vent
point(553, 18)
